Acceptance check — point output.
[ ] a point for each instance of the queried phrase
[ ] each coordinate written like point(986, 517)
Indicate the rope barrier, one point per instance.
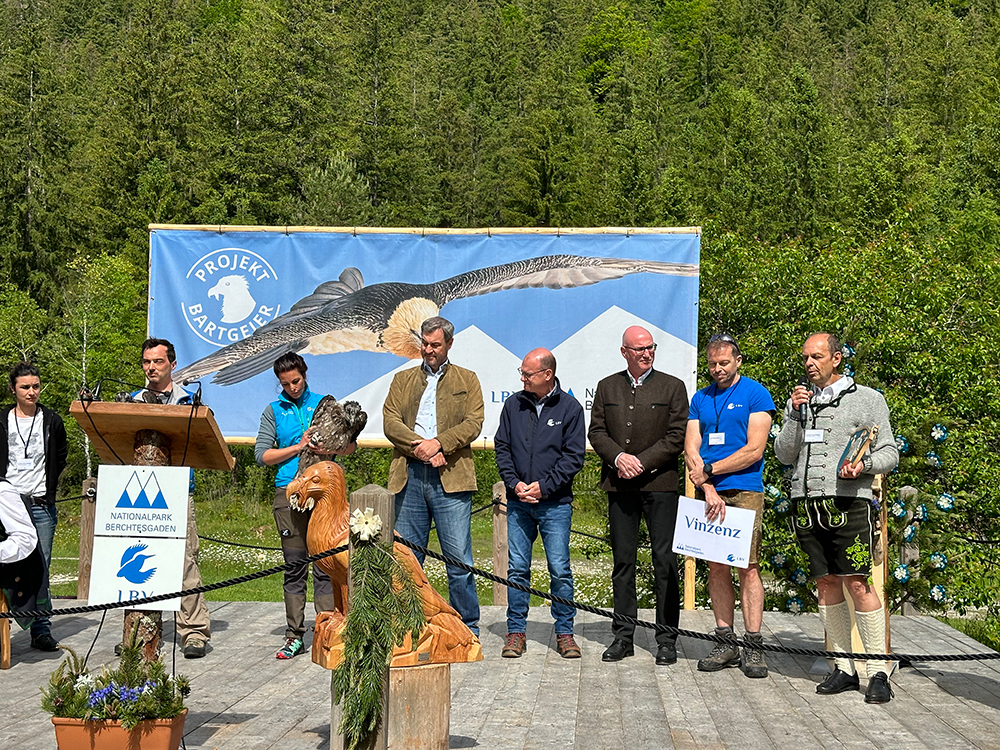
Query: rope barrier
point(237, 544)
point(132, 603)
point(695, 635)
point(691, 633)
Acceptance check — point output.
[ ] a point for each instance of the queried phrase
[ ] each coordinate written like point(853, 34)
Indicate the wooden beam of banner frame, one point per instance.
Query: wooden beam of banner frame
point(424, 231)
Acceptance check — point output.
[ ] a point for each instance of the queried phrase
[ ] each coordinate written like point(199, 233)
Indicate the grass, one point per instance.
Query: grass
point(984, 629)
point(238, 518)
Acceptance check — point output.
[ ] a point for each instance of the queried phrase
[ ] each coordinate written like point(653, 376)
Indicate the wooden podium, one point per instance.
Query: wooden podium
point(152, 435)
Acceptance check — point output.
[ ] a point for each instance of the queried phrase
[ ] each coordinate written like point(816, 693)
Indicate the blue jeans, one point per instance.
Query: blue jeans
point(524, 522)
point(44, 517)
point(422, 499)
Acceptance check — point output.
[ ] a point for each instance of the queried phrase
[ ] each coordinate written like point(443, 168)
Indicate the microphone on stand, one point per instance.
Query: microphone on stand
point(196, 398)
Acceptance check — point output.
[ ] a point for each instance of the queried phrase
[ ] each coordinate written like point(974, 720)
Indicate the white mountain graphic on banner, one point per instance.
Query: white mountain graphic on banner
point(584, 358)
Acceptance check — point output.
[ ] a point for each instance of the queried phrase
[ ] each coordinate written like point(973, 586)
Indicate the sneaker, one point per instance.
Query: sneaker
point(193, 649)
point(753, 664)
point(514, 645)
point(566, 646)
point(723, 654)
point(44, 642)
point(292, 648)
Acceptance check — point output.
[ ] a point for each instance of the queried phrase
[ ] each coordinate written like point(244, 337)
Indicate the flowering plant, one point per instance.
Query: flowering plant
point(136, 690)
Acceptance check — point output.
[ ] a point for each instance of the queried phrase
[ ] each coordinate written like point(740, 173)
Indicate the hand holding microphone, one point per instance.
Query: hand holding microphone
point(800, 398)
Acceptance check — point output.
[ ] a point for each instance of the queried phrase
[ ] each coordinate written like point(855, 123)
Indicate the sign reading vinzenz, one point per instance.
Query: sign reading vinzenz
point(233, 300)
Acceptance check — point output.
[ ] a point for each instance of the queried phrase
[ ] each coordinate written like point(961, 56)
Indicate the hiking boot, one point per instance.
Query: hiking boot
point(292, 648)
point(566, 646)
point(514, 645)
point(753, 664)
point(723, 654)
point(193, 649)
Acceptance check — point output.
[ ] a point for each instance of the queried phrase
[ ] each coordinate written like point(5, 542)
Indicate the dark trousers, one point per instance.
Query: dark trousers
point(660, 511)
point(292, 527)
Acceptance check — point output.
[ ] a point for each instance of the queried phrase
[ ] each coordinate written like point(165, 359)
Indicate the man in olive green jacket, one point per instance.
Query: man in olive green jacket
point(431, 415)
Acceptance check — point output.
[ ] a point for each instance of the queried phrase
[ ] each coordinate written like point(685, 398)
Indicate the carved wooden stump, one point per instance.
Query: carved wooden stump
point(151, 448)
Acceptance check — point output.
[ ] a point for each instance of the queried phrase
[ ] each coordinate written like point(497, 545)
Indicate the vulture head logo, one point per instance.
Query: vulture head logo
point(229, 294)
point(234, 291)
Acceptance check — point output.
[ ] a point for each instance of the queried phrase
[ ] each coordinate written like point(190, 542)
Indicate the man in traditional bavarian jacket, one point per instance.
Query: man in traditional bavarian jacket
point(431, 415)
point(637, 427)
point(832, 499)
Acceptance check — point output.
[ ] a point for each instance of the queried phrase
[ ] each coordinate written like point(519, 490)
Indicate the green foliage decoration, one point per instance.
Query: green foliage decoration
point(136, 690)
point(385, 606)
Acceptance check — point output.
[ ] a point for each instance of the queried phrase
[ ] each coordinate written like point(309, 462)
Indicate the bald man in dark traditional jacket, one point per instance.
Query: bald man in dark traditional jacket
point(637, 427)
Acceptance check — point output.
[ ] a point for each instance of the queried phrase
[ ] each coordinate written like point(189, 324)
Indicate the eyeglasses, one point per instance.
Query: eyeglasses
point(725, 338)
point(529, 375)
point(640, 349)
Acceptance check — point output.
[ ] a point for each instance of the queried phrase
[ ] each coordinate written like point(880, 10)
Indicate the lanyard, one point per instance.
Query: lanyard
point(718, 411)
point(30, 429)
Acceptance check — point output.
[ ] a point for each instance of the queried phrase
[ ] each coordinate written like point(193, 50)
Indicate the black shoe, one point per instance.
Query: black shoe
point(618, 650)
point(194, 649)
point(878, 689)
point(44, 642)
point(666, 653)
point(118, 649)
point(838, 682)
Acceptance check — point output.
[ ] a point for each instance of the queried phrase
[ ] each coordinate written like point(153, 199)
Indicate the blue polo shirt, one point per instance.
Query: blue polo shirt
point(728, 411)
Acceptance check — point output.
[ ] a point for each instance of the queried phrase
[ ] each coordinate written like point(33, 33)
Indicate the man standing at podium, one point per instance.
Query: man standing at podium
point(193, 622)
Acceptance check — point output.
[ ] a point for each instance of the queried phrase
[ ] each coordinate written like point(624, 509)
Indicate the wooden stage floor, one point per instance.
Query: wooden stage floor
point(244, 698)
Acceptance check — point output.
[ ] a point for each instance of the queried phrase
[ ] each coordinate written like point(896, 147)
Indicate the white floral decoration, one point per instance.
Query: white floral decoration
point(365, 524)
point(938, 593)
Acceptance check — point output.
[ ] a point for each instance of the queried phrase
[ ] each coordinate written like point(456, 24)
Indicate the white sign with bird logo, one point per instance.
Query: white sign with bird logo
point(140, 533)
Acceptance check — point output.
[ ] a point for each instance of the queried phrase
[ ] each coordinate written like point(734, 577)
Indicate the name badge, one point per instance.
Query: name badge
point(25, 464)
point(814, 436)
point(716, 438)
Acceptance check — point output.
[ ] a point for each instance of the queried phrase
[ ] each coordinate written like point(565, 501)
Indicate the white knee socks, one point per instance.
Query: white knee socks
point(871, 628)
point(837, 621)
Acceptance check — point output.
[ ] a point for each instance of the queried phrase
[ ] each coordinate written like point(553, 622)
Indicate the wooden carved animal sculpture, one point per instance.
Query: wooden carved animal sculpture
point(445, 639)
point(334, 426)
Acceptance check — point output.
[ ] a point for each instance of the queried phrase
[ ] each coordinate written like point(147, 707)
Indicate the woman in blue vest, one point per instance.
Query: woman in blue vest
point(284, 432)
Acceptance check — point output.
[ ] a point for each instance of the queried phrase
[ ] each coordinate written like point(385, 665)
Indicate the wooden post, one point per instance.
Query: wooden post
point(87, 509)
point(690, 565)
point(4, 635)
point(383, 504)
point(909, 552)
point(151, 448)
point(500, 551)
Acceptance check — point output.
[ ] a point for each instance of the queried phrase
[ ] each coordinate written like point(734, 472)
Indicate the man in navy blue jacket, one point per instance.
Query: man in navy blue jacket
point(539, 449)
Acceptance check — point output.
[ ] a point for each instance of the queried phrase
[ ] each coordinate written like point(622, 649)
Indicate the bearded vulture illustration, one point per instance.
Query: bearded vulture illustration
point(345, 315)
point(334, 426)
point(237, 304)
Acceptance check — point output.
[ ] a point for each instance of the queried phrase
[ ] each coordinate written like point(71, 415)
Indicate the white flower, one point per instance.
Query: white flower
point(86, 681)
point(366, 525)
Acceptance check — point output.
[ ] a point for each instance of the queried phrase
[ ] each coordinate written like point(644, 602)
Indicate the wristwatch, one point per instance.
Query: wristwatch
point(708, 470)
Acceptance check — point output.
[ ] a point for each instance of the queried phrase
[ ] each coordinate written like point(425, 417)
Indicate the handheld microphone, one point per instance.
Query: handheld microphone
point(803, 408)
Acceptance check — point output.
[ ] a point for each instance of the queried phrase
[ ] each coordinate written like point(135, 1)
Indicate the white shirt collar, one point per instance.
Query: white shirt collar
point(642, 378)
point(830, 392)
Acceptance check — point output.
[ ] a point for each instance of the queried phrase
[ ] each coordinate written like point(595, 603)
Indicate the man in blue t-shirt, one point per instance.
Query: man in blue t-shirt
point(728, 425)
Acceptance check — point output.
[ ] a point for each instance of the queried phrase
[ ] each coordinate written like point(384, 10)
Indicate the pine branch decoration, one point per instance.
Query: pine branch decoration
point(385, 606)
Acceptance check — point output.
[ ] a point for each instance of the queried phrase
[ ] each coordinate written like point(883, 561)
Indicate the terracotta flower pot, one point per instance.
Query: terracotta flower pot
point(158, 734)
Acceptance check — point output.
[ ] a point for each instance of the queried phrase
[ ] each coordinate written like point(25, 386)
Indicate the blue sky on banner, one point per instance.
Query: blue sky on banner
point(209, 289)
